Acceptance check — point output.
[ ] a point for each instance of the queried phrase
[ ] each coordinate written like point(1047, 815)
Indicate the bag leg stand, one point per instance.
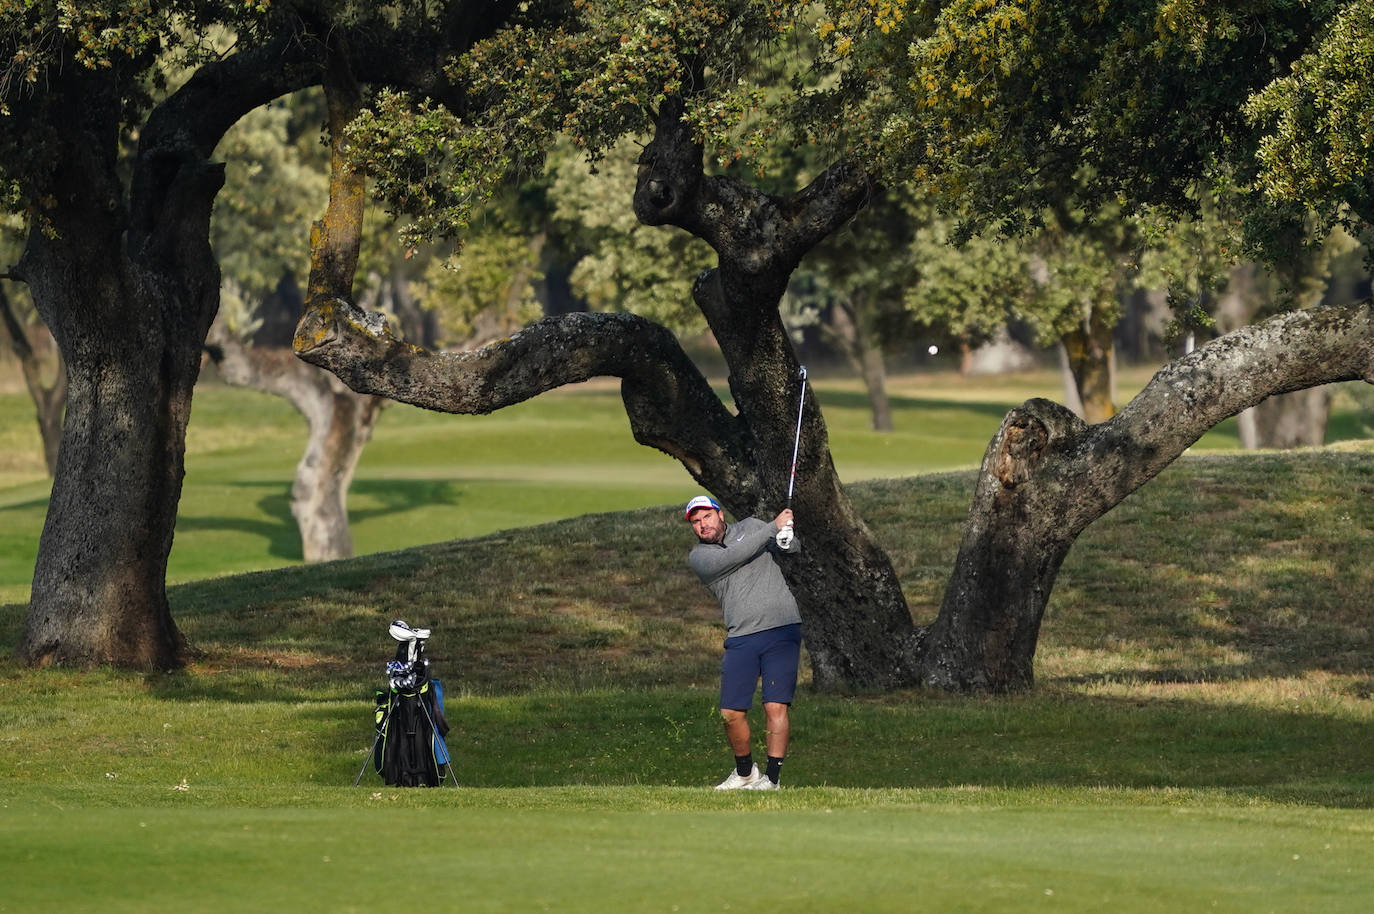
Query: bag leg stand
point(448, 774)
point(372, 753)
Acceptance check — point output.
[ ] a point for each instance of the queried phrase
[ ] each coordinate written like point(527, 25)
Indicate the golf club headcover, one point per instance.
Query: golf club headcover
point(403, 632)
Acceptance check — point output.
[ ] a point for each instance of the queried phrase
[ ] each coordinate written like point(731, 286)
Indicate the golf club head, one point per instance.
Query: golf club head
point(801, 373)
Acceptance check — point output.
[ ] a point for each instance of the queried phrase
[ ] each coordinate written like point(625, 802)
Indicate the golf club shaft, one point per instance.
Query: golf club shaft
point(796, 440)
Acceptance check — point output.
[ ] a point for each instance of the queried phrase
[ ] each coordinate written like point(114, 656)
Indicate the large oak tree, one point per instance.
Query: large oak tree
point(1046, 475)
point(114, 172)
point(125, 276)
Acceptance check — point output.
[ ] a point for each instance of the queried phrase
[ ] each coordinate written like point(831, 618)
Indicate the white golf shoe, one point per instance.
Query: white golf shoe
point(763, 783)
point(735, 782)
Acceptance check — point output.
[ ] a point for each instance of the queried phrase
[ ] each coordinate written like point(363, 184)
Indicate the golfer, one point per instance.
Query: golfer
point(762, 627)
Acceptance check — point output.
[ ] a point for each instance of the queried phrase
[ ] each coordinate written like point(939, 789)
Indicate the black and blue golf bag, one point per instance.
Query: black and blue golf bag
point(409, 748)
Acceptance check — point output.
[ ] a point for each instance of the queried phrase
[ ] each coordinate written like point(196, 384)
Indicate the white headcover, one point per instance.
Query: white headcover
point(413, 637)
point(403, 632)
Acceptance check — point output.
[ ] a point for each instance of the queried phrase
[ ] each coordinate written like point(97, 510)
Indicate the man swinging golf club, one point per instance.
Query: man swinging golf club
point(762, 627)
point(762, 624)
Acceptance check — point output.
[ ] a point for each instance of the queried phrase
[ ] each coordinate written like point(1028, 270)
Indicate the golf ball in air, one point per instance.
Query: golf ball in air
point(933, 349)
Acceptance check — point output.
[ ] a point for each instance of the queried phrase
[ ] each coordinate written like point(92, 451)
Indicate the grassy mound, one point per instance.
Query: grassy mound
point(1198, 736)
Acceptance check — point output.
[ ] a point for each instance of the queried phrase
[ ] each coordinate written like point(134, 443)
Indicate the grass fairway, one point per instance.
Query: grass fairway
point(634, 849)
point(1201, 736)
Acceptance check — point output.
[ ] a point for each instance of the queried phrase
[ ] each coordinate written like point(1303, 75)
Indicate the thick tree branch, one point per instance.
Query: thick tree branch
point(670, 404)
point(271, 369)
point(188, 125)
point(754, 232)
point(1290, 352)
point(1047, 475)
point(336, 239)
point(1041, 447)
point(828, 202)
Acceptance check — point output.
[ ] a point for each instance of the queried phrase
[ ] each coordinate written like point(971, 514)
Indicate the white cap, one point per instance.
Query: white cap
point(701, 501)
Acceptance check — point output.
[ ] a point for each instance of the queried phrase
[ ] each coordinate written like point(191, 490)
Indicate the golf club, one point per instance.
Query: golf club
point(784, 537)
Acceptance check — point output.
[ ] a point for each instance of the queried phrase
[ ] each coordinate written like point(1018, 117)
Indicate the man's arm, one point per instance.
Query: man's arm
point(743, 542)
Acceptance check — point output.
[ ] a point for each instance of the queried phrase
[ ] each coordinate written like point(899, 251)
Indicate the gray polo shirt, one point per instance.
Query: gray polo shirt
point(745, 578)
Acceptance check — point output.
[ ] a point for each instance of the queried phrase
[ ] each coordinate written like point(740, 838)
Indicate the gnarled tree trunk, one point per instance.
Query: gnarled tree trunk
point(858, 629)
point(1047, 475)
point(128, 296)
point(49, 400)
point(126, 281)
point(340, 423)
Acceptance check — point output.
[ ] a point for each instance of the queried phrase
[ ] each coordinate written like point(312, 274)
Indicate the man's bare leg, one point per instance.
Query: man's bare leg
point(737, 730)
point(779, 728)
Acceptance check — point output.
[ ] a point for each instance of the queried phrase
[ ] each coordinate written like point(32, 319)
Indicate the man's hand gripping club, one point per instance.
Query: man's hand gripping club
point(785, 532)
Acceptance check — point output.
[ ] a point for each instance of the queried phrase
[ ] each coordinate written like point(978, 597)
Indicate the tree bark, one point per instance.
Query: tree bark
point(858, 629)
point(126, 280)
point(49, 401)
point(1092, 363)
point(128, 297)
point(340, 424)
point(865, 358)
point(1047, 475)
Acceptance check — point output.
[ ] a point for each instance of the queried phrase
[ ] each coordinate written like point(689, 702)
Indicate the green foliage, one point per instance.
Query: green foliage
point(1003, 106)
point(136, 43)
point(591, 73)
point(647, 270)
point(1318, 120)
point(1069, 270)
point(599, 75)
point(431, 164)
point(971, 289)
point(488, 291)
point(276, 184)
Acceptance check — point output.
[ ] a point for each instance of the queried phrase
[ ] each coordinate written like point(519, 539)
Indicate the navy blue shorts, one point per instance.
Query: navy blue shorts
point(772, 655)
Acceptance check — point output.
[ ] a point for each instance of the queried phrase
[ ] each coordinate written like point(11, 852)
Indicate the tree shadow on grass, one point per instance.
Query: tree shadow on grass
point(278, 528)
point(382, 497)
point(926, 405)
point(911, 741)
point(29, 505)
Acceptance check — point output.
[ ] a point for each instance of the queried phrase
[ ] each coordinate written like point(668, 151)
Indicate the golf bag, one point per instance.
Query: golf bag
point(409, 749)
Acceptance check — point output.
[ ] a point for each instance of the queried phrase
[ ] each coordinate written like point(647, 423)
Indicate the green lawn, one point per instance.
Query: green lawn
point(1199, 737)
point(631, 850)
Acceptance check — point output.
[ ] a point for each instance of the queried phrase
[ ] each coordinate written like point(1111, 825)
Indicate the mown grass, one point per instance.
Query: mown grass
point(1199, 736)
